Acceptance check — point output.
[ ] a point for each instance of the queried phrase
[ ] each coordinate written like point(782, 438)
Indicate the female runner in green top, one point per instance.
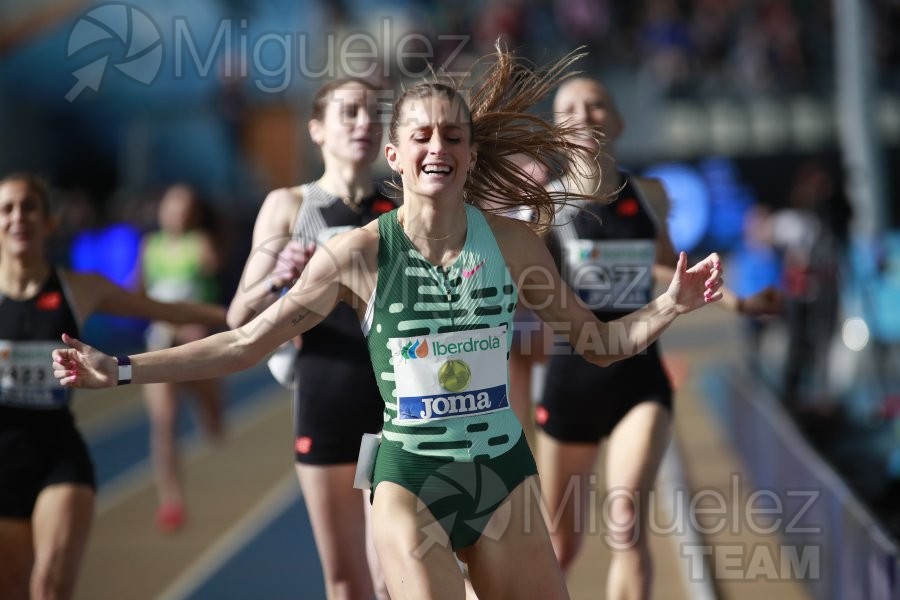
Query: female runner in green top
point(436, 282)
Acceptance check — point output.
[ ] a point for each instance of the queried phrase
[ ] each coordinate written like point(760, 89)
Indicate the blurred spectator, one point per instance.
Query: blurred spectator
point(711, 27)
point(665, 43)
point(584, 21)
point(504, 19)
point(811, 235)
point(178, 263)
point(753, 266)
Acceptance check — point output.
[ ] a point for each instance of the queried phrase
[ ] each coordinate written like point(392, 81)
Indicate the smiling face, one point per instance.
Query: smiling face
point(431, 145)
point(586, 102)
point(24, 219)
point(347, 127)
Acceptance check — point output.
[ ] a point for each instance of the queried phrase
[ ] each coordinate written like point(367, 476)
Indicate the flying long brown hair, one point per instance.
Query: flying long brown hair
point(501, 126)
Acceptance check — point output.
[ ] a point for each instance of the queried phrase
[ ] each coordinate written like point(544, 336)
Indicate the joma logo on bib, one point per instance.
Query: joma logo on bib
point(453, 405)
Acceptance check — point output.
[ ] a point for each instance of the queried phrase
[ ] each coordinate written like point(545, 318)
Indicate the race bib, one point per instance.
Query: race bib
point(448, 375)
point(611, 274)
point(26, 375)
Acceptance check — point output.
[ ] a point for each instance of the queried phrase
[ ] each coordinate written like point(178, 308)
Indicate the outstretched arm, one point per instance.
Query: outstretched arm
point(602, 343)
point(308, 302)
point(95, 293)
point(764, 303)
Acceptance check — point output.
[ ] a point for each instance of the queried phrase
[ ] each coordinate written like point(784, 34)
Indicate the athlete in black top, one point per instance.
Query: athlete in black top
point(611, 254)
point(39, 444)
point(336, 399)
point(606, 254)
point(46, 479)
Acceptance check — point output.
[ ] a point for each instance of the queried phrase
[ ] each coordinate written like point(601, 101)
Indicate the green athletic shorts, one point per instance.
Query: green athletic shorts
point(461, 495)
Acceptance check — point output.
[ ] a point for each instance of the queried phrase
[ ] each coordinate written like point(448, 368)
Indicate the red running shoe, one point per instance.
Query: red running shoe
point(170, 517)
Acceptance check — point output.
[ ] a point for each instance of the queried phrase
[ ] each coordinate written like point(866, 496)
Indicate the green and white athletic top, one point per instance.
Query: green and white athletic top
point(439, 339)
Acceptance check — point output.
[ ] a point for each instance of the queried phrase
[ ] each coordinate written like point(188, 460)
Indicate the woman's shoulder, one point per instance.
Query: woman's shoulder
point(654, 192)
point(358, 238)
point(512, 235)
point(506, 223)
point(285, 196)
point(280, 208)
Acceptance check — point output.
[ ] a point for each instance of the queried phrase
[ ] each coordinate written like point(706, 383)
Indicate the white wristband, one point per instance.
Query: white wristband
point(124, 363)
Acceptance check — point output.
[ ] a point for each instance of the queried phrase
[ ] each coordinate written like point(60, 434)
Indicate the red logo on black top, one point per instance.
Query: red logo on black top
point(303, 444)
point(382, 205)
point(49, 301)
point(627, 207)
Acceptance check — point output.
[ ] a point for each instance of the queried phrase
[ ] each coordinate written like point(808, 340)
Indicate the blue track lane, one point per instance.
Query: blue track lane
point(280, 559)
point(127, 444)
point(279, 562)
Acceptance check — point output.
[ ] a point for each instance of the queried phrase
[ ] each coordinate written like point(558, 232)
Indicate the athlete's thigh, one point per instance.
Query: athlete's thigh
point(640, 433)
point(514, 558)
point(413, 548)
point(61, 522)
point(565, 470)
point(16, 557)
point(377, 573)
point(336, 513)
point(636, 447)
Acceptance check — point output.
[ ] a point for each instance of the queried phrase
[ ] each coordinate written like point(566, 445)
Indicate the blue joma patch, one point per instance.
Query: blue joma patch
point(450, 405)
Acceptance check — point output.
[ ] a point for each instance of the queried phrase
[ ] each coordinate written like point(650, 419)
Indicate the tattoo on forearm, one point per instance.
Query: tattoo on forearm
point(304, 312)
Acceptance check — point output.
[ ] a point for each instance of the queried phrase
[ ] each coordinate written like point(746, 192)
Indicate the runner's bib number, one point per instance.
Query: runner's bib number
point(448, 375)
point(26, 375)
point(611, 274)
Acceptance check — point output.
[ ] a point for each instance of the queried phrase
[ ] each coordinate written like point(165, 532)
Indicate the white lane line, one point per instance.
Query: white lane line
point(670, 483)
point(140, 476)
point(270, 507)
